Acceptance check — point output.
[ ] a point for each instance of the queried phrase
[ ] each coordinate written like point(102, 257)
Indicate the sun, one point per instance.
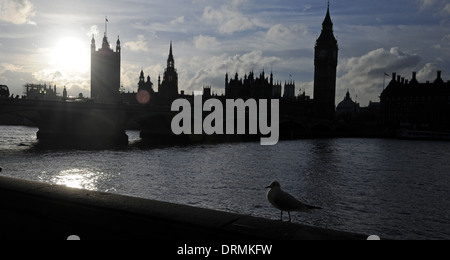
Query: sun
point(70, 55)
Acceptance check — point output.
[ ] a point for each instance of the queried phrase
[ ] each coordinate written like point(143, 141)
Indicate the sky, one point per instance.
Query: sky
point(47, 41)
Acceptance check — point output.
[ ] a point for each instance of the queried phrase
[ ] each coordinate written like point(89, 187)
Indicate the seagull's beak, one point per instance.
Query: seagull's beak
point(268, 187)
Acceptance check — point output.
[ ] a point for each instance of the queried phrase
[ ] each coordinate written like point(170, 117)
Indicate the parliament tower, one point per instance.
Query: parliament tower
point(325, 62)
point(168, 88)
point(105, 72)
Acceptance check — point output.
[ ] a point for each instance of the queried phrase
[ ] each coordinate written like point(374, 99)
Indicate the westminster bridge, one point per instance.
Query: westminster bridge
point(86, 123)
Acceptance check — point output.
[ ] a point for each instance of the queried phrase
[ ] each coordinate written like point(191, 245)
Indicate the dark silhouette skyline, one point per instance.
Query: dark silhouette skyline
point(410, 104)
point(4, 91)
point(262, 86)
point(300, 115)
point(105, 71)
point(288, 33)
point(325, 63)
point(167, 87)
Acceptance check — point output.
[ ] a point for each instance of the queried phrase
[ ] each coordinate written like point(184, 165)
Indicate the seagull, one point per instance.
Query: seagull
point(286, 202)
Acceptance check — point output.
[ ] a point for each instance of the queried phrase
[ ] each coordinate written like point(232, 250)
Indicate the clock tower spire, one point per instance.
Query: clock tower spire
point(325, 62)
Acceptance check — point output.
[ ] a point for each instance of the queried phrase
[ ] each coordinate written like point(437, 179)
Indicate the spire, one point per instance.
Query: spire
point(141, 76)
point(93, 43)
point(348, 94)
point(105, 44)
point(327, 35)
point(170, 60)
point(118, 46)
point(327, 23)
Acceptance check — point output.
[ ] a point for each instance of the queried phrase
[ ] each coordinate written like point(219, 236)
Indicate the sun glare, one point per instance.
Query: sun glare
point(70, 55)
point(78, 178)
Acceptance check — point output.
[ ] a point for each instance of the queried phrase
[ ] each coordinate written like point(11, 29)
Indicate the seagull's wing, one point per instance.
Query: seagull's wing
point(287, 202)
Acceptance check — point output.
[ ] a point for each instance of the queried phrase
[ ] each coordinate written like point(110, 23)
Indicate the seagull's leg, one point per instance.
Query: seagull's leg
point(289, 216)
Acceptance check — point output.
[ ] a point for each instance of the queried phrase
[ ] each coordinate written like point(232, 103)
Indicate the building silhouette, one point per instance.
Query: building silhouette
point(289, 90)
point(40, 92)
point(145, 85)
point(325, 62)
point(4, 91)
point(105, 71)
point(168, 88)
point(261, 87)
point(252, 87)
point(413, 105)
point(347, 108)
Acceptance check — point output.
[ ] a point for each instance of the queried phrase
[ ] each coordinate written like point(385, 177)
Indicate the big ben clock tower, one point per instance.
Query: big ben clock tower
point(325, 62)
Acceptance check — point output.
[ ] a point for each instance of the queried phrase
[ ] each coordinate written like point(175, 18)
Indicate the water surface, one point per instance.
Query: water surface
point(391, 188)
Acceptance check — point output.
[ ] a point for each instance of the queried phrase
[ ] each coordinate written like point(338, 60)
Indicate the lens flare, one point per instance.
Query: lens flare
point(143, 97)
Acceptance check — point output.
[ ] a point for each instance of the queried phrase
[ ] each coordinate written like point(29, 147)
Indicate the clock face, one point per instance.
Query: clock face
point(323, 54)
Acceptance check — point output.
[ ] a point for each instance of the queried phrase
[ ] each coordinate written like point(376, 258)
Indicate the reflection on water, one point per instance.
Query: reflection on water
point(77, 178)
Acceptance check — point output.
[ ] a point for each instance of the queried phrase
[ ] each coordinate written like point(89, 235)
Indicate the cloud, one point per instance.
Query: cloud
point(364, 75)
point(447, 8)
point(48, 75)
point(428, 72)
point(427, 3)
point(154, 27)
point(179, 20)
point(74, 82)
point(17, 11)
point(204, 42)
point(381, 60)
point(307, 8)
point(281, 32)
point(10, 67)
point(137, 46)
point(93, 31)
point(228, 18)
point(212, 70)
point(438, 7)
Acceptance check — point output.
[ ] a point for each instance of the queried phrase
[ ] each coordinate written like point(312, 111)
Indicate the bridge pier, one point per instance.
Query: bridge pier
point(83, 125)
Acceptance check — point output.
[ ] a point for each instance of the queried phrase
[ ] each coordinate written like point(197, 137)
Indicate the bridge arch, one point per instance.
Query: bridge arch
point(290, 129)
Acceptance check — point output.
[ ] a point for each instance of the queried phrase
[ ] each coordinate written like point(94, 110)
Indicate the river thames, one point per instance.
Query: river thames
point(390, 188)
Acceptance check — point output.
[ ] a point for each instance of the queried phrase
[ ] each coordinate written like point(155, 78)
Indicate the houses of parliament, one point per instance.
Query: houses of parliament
point(105, 80)
point(403, 103)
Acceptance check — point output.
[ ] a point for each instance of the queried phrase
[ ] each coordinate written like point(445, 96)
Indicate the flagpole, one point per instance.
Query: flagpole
point(106, 25)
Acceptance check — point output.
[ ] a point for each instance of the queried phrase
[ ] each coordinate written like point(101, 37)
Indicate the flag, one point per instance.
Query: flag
point(106, 18)
point(387, 75)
